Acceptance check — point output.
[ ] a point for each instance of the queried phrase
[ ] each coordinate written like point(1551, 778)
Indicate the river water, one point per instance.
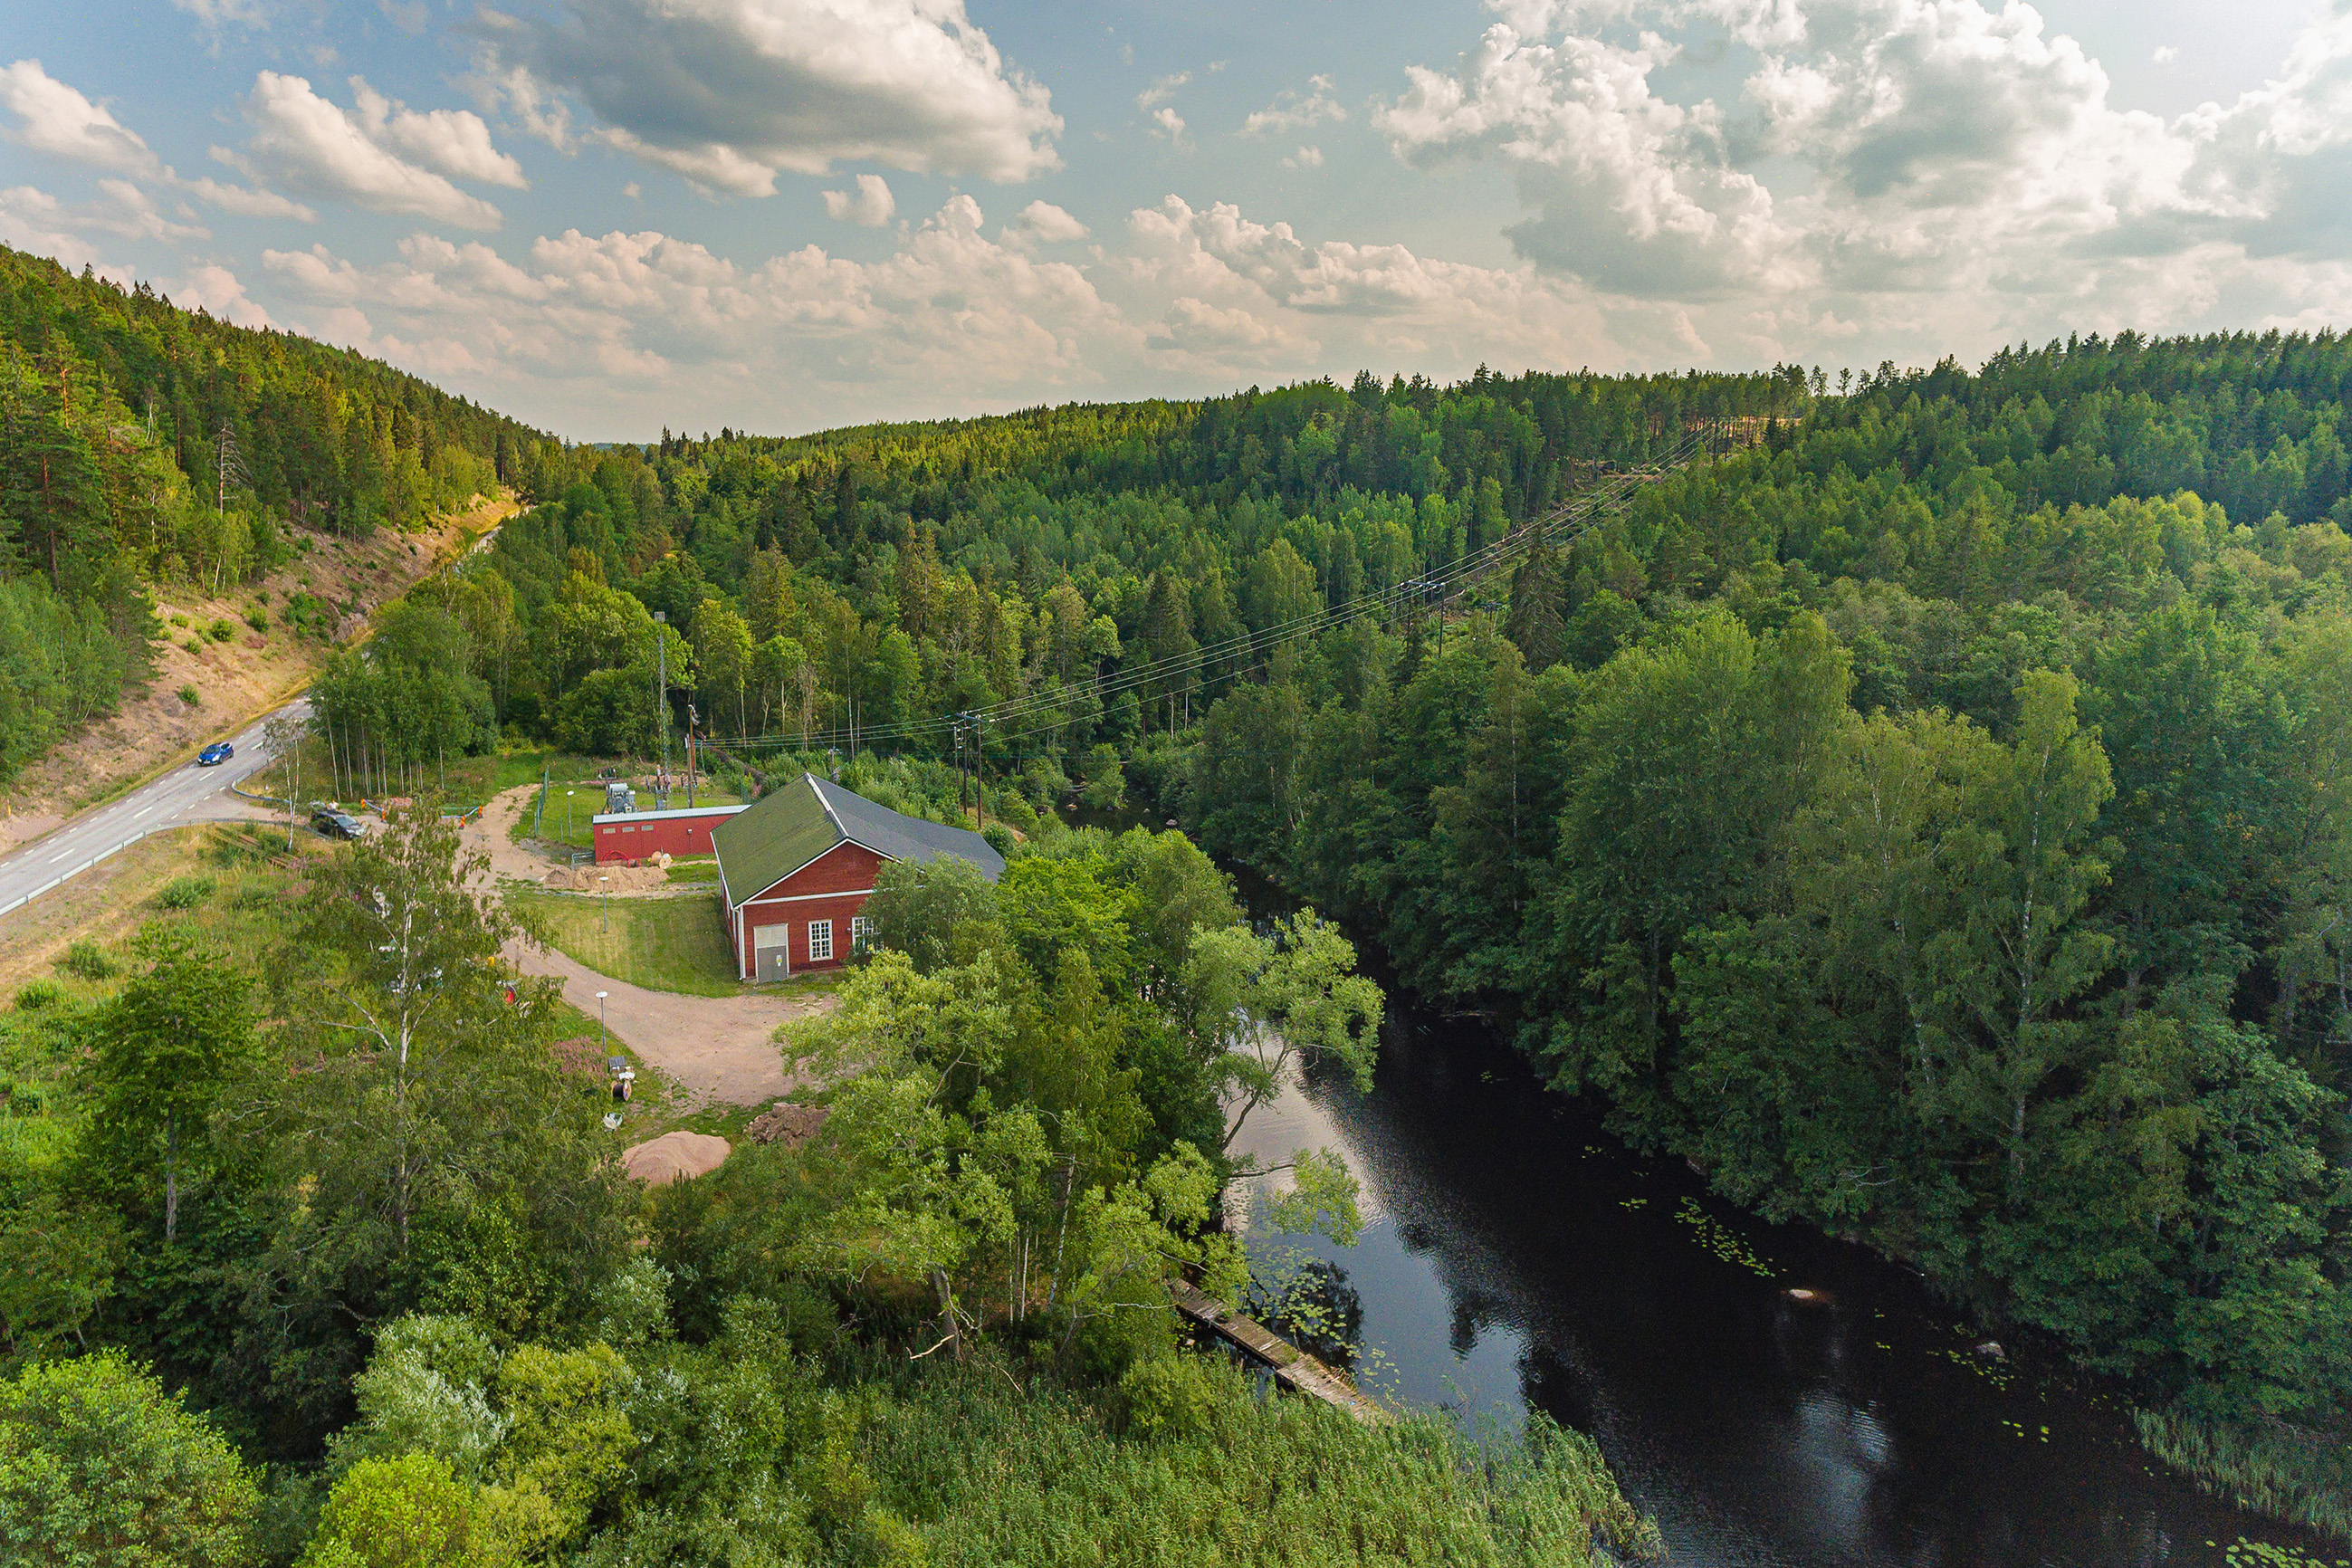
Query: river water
point(1517, 1256)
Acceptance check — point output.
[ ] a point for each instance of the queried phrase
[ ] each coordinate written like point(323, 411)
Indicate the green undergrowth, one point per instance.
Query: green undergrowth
point(2292, 1473)
point(1045, 1477)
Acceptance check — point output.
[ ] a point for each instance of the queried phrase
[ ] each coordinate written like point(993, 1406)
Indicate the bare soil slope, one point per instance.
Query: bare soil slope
point(236, 681)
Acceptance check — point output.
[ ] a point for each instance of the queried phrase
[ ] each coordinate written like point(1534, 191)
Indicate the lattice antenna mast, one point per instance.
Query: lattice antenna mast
point(228, 460)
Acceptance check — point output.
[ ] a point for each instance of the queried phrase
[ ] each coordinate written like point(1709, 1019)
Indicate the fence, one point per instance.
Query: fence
point(68, 876)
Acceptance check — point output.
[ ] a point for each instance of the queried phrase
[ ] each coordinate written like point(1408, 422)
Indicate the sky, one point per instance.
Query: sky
point(610, 216)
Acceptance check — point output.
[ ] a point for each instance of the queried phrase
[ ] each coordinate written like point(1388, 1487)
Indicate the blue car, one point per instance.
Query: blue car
point(213, 755)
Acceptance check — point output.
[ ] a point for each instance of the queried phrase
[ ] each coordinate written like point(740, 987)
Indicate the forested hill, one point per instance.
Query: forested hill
point(140, 443)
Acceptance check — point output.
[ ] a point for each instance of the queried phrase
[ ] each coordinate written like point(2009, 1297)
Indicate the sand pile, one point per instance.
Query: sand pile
point(675, 1157)
point(648, 877)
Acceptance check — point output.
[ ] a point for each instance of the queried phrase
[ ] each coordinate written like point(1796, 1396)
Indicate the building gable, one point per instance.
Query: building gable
point(793, 826)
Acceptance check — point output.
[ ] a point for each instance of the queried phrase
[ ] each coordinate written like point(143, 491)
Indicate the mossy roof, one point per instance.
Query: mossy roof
point(788, 828)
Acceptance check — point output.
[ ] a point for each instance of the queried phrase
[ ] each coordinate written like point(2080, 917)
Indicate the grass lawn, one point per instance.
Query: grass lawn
point(676, 943)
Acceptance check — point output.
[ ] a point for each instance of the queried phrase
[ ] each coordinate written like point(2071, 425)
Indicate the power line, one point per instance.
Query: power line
point(1565, 524)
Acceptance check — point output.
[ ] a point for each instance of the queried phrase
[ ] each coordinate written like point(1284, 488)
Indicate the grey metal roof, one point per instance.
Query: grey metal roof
point(903, 838)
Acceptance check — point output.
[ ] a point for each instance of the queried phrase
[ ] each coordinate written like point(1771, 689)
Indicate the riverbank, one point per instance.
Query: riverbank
point(2284, 1472)
point(1516, 1259)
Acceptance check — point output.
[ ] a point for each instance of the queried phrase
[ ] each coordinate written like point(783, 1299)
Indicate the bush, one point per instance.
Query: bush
point(222, 629)
point(179, 620)
point(184, 892)
point(1169, 1395)
point(999, 837)
point(99, 1465)
point(83, 961)
point(36, 994)
point(257, 620)
point(188, 695)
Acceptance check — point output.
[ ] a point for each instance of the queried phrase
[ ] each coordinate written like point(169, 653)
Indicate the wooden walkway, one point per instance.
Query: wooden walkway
point(1292, 1367)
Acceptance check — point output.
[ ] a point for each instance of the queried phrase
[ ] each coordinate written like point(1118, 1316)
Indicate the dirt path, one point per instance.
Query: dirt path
point(715, 1048)
point(522, 864)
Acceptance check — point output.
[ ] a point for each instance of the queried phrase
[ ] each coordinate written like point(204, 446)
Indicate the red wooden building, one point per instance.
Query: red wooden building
point(634, 835)
point(796, 865)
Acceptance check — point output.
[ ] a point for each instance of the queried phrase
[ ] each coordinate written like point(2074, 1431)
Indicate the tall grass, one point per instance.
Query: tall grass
point(1041, 1477)
point(2293, 1473)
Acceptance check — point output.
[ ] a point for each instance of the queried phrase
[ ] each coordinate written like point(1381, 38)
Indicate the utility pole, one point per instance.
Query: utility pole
point(964, 778)
point(693, 719)
point(661, 707)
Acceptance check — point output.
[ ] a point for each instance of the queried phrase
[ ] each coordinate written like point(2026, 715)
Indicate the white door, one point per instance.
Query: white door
point(772, 952)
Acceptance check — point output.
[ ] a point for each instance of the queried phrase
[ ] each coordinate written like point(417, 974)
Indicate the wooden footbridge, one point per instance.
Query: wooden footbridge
point(1293, 1368)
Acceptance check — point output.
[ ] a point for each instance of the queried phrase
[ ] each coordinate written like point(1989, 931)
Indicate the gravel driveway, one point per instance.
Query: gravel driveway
point(715, 1048)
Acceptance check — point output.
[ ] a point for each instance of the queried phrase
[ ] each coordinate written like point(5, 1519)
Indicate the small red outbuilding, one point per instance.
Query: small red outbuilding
point(635, 834)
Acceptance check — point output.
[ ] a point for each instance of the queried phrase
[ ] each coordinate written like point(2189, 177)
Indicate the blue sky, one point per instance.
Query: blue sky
point(609, 216)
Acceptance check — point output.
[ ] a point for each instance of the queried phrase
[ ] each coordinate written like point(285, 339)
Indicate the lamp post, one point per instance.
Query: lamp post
point(603, 1035)
point(567, 814)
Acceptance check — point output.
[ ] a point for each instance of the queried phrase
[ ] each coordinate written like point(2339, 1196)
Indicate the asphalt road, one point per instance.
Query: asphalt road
point(185, 794)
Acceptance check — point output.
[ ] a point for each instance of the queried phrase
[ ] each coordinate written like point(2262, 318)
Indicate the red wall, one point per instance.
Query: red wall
point(680, 835)
point(832, 886)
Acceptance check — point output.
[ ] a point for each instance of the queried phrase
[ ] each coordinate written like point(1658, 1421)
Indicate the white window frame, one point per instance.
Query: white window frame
point(861, 934)
point(820, 941)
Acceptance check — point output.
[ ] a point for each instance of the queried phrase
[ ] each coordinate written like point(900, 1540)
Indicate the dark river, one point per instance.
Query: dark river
point(1515, 1256)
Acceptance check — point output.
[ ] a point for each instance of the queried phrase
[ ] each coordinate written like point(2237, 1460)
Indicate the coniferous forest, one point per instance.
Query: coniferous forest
point(140, 444)
point(1923, 802)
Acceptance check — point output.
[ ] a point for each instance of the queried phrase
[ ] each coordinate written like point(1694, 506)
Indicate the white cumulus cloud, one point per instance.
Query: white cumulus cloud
point(55, 118)
point(453, 142)
point(301, 141)
point(608, 335)
point(1293, 110)
point(1045, 224)
point(1931, 174)
point(1161, 89)
point(729, 93)
point(870, 204)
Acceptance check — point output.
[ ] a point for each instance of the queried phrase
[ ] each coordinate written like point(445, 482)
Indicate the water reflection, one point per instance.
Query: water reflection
point(1516, 1258)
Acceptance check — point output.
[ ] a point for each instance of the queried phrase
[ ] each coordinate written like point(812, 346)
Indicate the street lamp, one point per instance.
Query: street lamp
point(567, 814)
point(603, 1035)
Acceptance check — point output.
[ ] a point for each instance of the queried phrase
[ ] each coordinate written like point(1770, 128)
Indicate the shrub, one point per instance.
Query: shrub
point(257, 620)
point(188, 695)
point(222, 629)
point(36, 994)
point(192, 646)
point(98, 1465)
point(179, 620)
point(999, 837)
point(1175, 1395)
point(83, 961)
point(184, 892)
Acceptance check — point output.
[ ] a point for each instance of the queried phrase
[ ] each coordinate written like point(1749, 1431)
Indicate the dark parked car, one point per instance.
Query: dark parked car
point(338, 824)
point(213, 755)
